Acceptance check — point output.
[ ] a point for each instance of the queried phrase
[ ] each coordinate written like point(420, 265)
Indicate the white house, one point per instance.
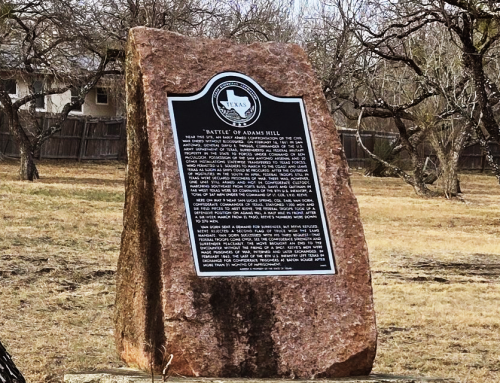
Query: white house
point(101, 101)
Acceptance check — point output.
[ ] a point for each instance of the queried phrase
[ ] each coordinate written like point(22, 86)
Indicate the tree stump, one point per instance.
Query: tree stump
point(8, 370)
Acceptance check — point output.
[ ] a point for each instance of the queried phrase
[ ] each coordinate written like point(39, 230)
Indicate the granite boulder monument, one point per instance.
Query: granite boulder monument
point(243, 253)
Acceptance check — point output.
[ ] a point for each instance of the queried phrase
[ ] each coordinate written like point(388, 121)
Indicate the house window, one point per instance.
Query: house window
point(39, 101)
point(74, 98)
point(9, 86)
point(101, 96)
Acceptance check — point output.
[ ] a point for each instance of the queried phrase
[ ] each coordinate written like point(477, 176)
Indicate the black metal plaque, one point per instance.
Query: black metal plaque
point(249, 180)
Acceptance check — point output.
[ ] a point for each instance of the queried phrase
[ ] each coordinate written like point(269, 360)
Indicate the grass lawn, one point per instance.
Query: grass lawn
point(436, 278)
point(435, 264)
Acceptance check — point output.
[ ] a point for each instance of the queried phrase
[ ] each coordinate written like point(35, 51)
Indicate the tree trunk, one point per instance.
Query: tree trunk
point(448, 163)
point(28, 170)
point(449, 179)
point(8, 370)
point(418, 175)
point(489, 156)
point(379, 169)
point(420, 188)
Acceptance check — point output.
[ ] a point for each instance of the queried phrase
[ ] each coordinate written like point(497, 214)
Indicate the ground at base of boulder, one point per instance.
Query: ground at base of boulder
point(128, 375)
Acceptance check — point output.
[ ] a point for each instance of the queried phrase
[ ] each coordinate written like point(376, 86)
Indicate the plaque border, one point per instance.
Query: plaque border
point(305, 124)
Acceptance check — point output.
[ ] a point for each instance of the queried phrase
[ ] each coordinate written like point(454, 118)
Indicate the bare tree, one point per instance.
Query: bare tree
point(116, 17)
point(359, 84)
point(471, 32)
point(333, 50)
point(244, 21)
point(52, 46)
point(257, 20)
point(375, 58)
point(70, 45)
point(445, 111)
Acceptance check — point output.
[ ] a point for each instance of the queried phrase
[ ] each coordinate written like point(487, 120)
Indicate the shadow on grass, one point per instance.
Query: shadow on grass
point(95, 195)
point(80, 181)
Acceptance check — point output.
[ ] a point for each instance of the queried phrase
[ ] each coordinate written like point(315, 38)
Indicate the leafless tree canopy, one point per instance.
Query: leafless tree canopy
point(53, 43)
point(73, 44)
point(427, 69)
point(245, 21)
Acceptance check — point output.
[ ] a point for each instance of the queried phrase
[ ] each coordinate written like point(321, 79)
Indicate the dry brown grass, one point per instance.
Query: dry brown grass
point(436, 272)
point(436, 278)
point(58, 251)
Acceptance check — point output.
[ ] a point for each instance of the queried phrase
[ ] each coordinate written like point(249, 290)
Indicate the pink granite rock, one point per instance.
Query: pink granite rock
point(265, 326)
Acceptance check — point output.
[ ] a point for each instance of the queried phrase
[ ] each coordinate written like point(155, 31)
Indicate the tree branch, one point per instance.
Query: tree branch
point(400, 172)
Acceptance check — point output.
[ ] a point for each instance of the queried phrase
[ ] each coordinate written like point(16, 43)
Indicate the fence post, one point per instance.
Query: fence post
point(82, 140)
point(483, 161)
point(123, 137)
point(41, 146)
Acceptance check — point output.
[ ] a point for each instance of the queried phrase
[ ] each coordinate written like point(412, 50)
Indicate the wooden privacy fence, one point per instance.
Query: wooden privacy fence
point(472, 157)
point(97, 139)
point(79, 139)
point(374, 141)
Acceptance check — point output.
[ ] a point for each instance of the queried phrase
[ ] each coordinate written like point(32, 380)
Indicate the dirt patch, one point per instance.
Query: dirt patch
point(487, 265)
point(474, 268)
